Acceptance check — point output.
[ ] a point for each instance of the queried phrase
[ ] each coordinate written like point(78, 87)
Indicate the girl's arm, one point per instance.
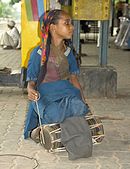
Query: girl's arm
point(74, 80)
point(32, 93)
point(33, 70)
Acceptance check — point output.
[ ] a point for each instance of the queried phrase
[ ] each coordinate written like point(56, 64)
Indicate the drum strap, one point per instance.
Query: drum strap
point(38, 112)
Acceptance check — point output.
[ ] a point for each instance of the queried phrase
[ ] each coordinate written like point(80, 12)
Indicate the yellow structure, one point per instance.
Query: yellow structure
point(90, 9)
point(30, 34)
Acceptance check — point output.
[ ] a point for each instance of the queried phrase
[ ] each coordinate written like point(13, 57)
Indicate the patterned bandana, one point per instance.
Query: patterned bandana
point(45, 21)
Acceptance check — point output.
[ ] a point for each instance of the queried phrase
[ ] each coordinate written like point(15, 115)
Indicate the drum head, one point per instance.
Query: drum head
point(50, 137)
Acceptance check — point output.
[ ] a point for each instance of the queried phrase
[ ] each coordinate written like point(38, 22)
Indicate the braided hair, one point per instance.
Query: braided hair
point(48, 18)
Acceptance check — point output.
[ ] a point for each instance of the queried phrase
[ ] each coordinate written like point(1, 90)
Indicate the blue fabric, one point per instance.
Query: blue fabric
point(35, 61)
point(59, 99)
point(73, 67)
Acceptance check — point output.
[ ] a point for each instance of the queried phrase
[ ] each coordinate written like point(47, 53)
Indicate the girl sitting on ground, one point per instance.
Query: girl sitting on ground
point(52, 75)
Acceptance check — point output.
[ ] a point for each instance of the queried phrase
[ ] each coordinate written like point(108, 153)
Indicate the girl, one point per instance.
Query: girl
point(52, 75)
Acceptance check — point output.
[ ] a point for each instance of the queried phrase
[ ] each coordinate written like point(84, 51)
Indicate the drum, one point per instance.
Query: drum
point(50, 135)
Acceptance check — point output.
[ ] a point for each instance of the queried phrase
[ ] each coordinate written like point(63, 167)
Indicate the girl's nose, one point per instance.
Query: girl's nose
point(71, 27)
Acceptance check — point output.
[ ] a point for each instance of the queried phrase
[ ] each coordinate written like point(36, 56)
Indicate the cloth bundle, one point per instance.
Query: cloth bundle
point(76, 137)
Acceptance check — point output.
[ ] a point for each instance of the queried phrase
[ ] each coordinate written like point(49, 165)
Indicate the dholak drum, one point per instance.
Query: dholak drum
point(50, 136)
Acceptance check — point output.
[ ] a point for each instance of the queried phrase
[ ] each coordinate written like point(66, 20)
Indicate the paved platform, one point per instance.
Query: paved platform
point(112, 153)
point(10, 58)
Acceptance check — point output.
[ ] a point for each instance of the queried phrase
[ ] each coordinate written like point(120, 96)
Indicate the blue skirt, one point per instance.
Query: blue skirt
point(58, 101)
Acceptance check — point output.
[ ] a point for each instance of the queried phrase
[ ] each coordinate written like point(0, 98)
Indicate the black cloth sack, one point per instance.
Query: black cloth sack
point(76, 137)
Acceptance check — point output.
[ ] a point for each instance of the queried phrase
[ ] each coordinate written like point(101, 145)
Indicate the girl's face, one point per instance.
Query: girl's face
point(64, 28)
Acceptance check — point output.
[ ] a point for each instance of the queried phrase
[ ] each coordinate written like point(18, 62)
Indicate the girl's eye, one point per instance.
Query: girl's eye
point(68, 22)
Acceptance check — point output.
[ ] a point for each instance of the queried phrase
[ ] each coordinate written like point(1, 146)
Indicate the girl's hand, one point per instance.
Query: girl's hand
point(33, 95)
point(74, 80)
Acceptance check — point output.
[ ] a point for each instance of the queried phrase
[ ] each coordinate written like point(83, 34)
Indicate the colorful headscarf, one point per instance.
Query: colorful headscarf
point(45, 21)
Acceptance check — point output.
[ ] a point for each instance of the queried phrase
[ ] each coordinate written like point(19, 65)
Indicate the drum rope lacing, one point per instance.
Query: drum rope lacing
point(39, 117)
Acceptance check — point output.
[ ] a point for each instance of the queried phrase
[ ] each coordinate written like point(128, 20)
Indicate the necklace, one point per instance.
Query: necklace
point(58, 53)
